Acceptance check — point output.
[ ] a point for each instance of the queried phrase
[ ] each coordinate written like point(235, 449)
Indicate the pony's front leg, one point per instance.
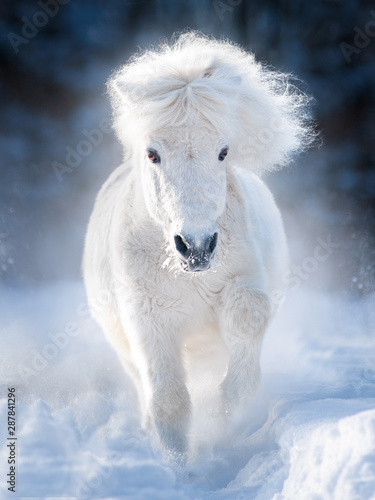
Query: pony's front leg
point(244, 316)
point(155, 347)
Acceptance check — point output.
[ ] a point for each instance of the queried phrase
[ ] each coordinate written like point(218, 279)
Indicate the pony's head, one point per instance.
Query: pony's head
point(188, 111)
point(184, 183)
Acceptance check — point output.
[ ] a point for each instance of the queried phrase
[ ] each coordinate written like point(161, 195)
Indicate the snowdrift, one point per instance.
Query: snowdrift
point(310, 433)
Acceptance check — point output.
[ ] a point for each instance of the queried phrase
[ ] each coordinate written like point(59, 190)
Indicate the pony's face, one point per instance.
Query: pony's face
point(184, 184)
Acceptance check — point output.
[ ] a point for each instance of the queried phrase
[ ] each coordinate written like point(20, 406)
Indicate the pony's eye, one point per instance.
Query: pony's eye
point(223, 154)
point(153, 157)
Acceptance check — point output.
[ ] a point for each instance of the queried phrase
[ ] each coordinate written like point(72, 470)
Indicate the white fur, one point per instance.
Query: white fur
point(189, 100)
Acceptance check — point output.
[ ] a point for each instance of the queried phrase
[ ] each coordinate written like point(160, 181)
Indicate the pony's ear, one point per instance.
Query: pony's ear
point(122, 93)
point(221, 70)
point(208, 72)
point(120, 90)
point(119, 86)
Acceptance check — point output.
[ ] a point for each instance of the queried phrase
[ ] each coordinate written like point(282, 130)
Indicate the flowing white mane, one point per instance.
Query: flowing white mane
point(264, 116)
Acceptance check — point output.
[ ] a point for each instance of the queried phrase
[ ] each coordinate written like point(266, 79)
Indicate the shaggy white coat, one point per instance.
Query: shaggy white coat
point(189, 100)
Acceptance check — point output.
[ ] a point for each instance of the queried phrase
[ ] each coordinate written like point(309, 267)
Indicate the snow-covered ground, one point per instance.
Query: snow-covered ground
point(311, 431)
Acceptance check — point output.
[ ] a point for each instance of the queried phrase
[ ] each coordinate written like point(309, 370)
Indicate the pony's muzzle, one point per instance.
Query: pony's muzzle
point(195, 255)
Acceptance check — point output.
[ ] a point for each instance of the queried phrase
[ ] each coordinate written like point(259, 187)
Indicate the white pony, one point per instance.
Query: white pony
point(185, 240)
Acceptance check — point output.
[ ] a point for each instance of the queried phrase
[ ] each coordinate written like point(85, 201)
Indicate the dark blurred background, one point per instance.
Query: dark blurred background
point(56, 149)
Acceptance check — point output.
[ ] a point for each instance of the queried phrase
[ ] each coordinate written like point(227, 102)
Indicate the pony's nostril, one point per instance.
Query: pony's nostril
point(196, 254)
point(212, 243)
point(181, 245)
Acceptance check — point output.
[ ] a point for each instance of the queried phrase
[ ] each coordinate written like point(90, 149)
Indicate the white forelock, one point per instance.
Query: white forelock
point(264, 117)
